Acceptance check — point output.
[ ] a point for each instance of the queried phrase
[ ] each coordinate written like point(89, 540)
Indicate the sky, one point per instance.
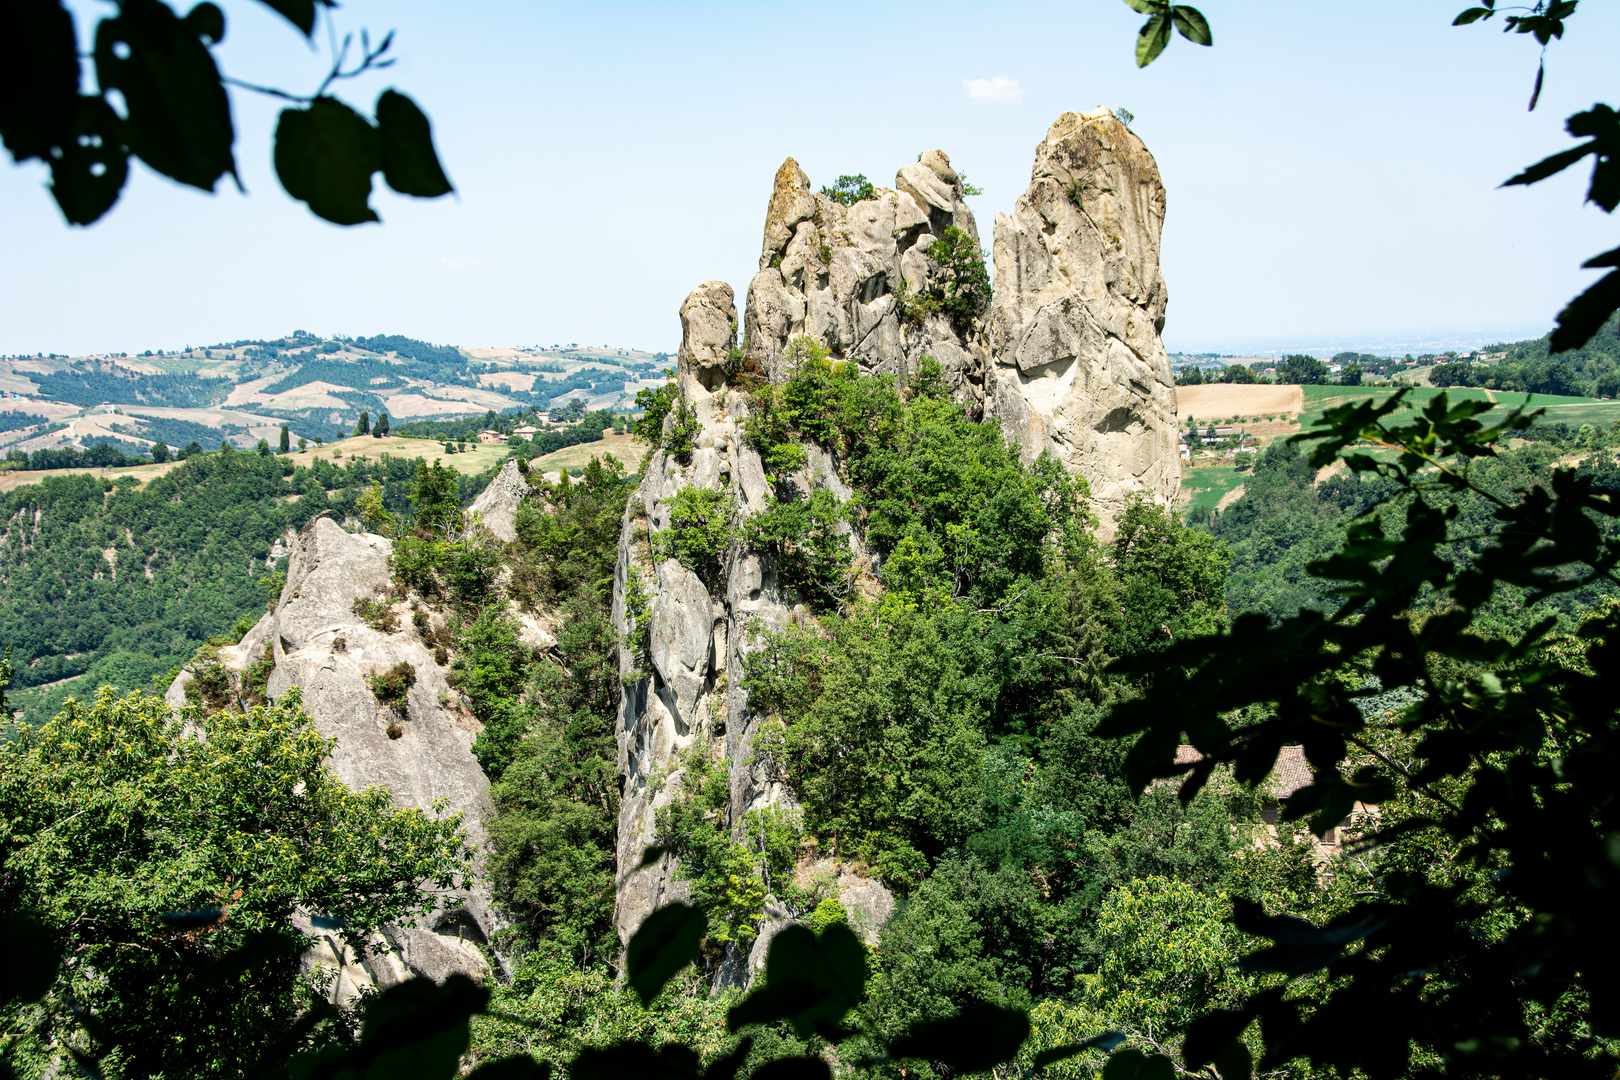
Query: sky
point(1332, 169)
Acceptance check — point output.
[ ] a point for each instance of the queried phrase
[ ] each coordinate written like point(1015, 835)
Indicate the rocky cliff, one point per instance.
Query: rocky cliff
point(843, 275)
point(1067, 358)
point(1079, 304)
point(418, 746)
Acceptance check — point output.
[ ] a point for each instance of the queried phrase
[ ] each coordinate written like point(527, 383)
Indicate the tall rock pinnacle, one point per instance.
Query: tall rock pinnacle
point(1079, 303)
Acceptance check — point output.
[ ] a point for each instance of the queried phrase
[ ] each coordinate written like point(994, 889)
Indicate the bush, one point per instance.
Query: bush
point(812, 556)
point(699, 532)
point(390, 687)
point(828, 913)
point(849, 190)
point(376, 614)
point(965, 293)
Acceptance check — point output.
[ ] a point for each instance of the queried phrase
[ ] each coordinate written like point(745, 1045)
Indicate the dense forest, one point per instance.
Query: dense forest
point(952, 726)
point(93, 382)
point(112, 582)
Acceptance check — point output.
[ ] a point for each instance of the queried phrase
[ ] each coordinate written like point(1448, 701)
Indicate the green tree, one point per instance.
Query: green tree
point(264, 448)
point(154, 856)
point(286, 439)
point(434, 499)
point(964, 292)
point(1302, 370)
point(362, 426)
point(1174, 580)
point(381, 428)
point(849, 190)
point(160, 452)
point(1350, 375)
point(1480, 736)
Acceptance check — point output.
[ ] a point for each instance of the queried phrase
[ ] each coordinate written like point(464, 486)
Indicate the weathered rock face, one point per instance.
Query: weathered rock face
point(420, 751)
point(496, 506)
point(1068, 359)
point(1079, 304)
point(687, 639)
point(834, 273)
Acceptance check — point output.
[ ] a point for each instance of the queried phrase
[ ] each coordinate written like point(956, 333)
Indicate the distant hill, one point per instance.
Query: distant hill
point(245, 390)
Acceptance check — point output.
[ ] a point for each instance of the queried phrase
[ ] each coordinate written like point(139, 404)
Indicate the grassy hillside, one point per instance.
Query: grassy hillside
point(246, 390)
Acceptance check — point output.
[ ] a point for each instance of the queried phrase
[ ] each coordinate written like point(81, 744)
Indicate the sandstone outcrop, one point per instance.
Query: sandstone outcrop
point(1067, 358)
point(679, 650)
point(496, 506)
point(840, 274)
point(420, 749)
point(1079, 304)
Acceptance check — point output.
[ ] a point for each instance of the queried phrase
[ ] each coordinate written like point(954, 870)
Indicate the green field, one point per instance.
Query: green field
point(1568, 410)
point(1205, 487)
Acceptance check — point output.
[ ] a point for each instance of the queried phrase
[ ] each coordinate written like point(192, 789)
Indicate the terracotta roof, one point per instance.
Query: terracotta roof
point(1292, 773)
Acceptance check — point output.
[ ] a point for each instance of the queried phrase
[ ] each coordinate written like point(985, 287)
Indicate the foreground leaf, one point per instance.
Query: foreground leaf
point(409, 163)
point(666, 942)
point(325, 156)
point(179, 118)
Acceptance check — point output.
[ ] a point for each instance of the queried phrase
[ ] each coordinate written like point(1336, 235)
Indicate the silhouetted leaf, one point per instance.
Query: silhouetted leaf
point(1192, 24)
point(301, 13)
point(516, 1067)
point(979, 1037)
point(794, 1068)
point(178, 117)
point(1468, 15)
point(1104, 1042)
point(1152, 38)
point(409, 162)
point(30, 950)
point(666, 942)
point(190, 920)
point(89, 169)
point(415, 1030)
point(810, 981)
point(634, 1059)
point(39, 76)
point(1585, 315)
point(1135, 1065)
point(1234, 1062)
point(325, 156)
point(725, 1068)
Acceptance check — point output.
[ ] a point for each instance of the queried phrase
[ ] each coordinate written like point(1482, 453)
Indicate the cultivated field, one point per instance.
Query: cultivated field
point(623, 447)
point(366, 447)
point(1219, 401)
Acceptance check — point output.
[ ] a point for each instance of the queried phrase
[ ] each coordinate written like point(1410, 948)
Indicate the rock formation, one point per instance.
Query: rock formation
point(1067, 358)
point(496, 506)
point(420, 749)
point(835, 273)
point(680, 640)
point(1079, 304)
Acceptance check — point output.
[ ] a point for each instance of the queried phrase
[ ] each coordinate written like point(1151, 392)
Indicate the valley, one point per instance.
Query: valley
point(920, 673)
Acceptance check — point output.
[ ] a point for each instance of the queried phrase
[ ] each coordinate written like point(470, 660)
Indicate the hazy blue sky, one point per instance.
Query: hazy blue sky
point(1331, 168)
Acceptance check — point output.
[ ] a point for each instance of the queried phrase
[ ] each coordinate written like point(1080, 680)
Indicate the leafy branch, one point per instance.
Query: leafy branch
point(1545, 20)
point(1162, 15)
point(174, 113)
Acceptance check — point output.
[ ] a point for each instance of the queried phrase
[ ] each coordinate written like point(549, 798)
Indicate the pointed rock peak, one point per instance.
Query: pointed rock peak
point(708, 332)
point(937, 189)
point(1077, 142)
point(792, 201)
